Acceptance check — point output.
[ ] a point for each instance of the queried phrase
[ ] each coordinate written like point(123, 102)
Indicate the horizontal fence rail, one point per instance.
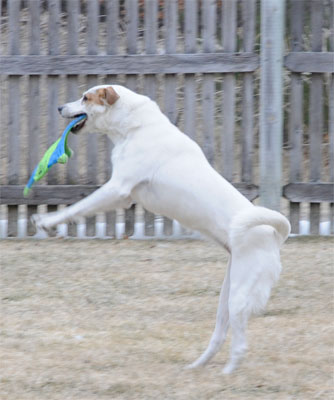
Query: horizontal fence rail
point(129, 64)
point(308, 62)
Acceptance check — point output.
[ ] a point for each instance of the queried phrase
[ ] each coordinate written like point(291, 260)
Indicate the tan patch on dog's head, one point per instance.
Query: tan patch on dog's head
point(102, 96)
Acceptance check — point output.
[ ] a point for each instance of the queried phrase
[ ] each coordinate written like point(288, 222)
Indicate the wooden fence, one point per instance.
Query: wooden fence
point(311, 110)
point(198, 59)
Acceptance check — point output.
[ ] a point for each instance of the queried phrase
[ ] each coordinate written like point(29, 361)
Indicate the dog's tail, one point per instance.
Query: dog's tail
point(256, 236)
point(256, 216)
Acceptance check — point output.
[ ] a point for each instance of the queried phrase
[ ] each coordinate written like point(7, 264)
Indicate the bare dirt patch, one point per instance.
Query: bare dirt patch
point(120, 320)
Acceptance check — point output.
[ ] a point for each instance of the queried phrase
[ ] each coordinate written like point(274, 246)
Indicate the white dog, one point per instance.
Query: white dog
point(158, 166)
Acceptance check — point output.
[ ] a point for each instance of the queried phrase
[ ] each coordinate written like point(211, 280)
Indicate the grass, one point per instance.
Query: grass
point(120, 320)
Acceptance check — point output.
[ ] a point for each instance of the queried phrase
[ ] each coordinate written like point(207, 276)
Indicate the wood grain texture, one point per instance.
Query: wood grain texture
point(92, 80)
point(296, 113)
point(190, 86)
point(309, 192)
point(209, 21)
point(316, 113)
point(228, 107)
point(131, 83)
point(247, 125)
point(34, 103)
point(112, 9)
point(310, 62)
point(72, 167)
point(129, 64)
point(14, 108)
point(271, 103)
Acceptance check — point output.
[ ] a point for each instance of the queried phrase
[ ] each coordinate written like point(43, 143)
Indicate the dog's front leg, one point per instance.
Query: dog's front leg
point(109, 197)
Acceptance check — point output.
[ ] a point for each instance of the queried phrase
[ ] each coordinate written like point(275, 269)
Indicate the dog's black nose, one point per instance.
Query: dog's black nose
point(60, 109)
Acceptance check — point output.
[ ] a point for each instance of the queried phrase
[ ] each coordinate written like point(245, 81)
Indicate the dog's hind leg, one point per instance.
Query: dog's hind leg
point(253, 272)
point(222, 322)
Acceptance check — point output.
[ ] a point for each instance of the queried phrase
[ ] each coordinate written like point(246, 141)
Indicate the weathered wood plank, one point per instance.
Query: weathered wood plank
point(72, 175)
point(309, 192)
point(53, 82)
point(316, 113)
point(296, 110)
point(14, 108)
point(92, 144)
point(331, 114)
point(112, 8)
point(170, 46)
point(331, 104)
point(72, 167)
point(53, 122)
point(110, 220)
point(13, 114)
point(310, 62)
point(271, 103)
point(247, 125)
point(34, 103)
point(331, 100)
point(131, 83)
point(69, 194)
point(92, 49)
point(229, 44)
point(190, 86)
point(208, 92)
point(129, 64)
point(1, 49)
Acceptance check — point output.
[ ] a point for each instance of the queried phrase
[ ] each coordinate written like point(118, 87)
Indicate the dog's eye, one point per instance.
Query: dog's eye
point(85, 98)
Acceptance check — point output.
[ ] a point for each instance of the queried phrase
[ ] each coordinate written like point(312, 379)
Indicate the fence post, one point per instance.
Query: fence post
point(271, 104)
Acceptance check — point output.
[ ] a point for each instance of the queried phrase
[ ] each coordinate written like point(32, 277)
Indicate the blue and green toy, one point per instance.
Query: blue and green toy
point(58, 152)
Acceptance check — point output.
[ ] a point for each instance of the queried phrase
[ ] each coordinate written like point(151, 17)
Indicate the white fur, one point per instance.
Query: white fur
point(156, 165)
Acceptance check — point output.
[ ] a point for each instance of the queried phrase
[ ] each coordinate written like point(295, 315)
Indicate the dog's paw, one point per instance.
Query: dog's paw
point(42, 224)
point(194, 365)
point(229, 368)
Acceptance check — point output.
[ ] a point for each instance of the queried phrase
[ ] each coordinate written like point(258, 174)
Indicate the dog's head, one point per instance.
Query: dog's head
point(93, 104)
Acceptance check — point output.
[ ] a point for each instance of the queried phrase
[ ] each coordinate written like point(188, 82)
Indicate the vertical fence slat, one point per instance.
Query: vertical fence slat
point(331, 113)
point(112, 48)
point(296, 110)
point(150, 84)
point(271, 103)
point(316, 113)
point(170, 15)
point(92, 49)
point(72, 175)
point(92, 144)
point(13, 114)
point(34, 102)
point(229, 44)
point(131, 82)
point(170, 22)
point(208, 93)
point(248, 23)
point(72, 171)
point(191, 26)
point(53, 89)
point(53, 82)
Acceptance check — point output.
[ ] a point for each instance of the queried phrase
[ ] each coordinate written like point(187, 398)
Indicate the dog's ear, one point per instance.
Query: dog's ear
point(110, 95)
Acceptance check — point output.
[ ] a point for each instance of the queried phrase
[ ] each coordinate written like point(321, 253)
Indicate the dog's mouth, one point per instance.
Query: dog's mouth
point(79, 125)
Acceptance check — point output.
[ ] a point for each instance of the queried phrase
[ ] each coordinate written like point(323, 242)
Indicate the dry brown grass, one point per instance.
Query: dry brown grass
point(120, 319)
